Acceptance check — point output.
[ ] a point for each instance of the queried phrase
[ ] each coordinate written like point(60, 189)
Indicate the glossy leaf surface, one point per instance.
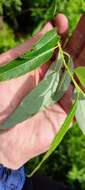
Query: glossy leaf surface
point(41, 53)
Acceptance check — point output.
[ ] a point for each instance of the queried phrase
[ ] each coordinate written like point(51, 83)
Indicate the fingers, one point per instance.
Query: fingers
point(61, 23)
point(26, 46)
point(77, 41)
point(13, 91)
point(46, 28)
point(18, 51)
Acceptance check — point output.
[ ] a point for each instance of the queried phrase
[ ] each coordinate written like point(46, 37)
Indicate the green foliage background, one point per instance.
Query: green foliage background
point(18, 20)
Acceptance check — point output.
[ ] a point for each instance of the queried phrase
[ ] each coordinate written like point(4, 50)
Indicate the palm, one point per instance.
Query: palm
point(19, 136)
point(33, 136)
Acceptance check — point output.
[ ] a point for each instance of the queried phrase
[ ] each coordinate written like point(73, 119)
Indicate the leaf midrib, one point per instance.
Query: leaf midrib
point(48, 51)
point(35, 47)
point(33, 59)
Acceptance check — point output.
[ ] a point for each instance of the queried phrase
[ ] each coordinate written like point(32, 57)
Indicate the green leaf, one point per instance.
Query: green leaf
point(64, 82)
point(80, 72)
point(45, 39)
point(51, 12)
point(39, 98)
point(32, 60)
point(59, 136)
point(80, 114)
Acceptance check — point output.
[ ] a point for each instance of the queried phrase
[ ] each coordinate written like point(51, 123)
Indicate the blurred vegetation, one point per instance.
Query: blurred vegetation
point(67, 163)
point(18, 20)
point(23, 17)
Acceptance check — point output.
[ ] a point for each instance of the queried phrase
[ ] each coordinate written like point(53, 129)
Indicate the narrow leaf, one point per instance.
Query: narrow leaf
point(39, 98)
point(59, 136)
point(80, 114)
point(80, 72)
point(44, 40)
point(31, 60)
point(51, 12)
point(64, 82)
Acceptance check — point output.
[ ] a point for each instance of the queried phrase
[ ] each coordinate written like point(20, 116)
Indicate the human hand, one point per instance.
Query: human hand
point(33, 136)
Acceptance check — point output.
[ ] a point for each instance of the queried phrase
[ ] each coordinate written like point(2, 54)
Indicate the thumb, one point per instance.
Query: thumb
point(61, 23)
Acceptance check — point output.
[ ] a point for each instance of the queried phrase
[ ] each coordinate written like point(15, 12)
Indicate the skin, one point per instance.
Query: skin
point(34, 136)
